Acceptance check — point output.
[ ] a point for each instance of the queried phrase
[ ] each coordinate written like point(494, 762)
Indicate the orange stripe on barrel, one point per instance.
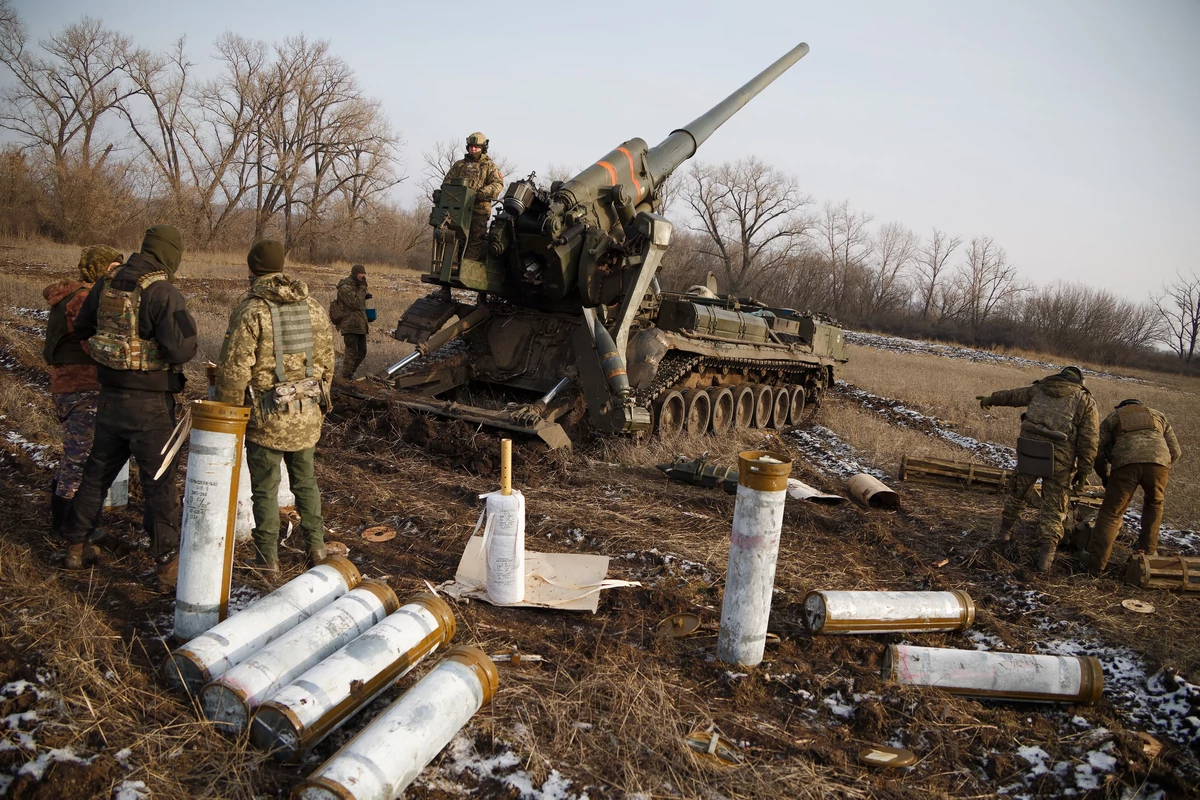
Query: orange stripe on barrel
point(632, 174)
point(612, 173)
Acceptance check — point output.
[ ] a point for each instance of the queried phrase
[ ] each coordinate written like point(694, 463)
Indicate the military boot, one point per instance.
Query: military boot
point(1006, 528)
point(1045, 558)
point(79, 555)
point(267, 568)
point(167, 573)
point(316, 555)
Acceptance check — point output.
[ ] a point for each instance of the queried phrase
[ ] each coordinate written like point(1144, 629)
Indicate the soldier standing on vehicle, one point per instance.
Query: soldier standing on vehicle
point(1137, 448)
point(1057, 443)
point(140, 334)
point(482, 175)
point(73, 384)
point(278, 358)
point(349, 313)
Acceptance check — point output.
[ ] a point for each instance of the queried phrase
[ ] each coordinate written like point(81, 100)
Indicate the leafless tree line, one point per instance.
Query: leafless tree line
point(282, 142)
point(753, 228)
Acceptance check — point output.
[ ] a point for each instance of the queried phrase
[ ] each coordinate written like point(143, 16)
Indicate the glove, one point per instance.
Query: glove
point(1079, 482)
point(369, 295)
point(983, 400)
point(1104, 479)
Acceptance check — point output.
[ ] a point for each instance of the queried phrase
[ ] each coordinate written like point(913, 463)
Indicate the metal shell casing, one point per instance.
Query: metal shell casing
point(206, 535)
point(229, 700)
point(1000, 676)
point(387, 755)
point(318, 702)
point(828, 612)
point(227, 644)
point(753, 549)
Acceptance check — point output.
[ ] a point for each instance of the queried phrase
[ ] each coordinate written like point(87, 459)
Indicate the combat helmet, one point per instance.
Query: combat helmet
point(478, 138)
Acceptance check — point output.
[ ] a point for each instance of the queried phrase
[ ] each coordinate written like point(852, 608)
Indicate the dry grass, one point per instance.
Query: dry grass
point(946, 388)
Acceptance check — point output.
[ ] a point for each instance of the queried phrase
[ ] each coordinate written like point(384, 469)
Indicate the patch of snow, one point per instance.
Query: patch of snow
point(838, 706)
point(37, 767)
point(122, 757)
point(826, 452)
point(131, 790)
point(240, 597)
point(37, 452)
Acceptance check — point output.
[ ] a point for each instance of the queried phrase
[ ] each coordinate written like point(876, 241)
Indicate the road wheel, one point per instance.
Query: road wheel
point(698, 412)
point(780, 408)
point(764, 402)
point(743, 407)
point(669, 413)
point(796, 411)
point(721, 400)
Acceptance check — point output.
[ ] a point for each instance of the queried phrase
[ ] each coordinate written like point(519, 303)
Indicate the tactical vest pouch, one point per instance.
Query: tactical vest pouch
point(116, 343)
point(1035, 457)
point(290, 397)
point(1135, 418)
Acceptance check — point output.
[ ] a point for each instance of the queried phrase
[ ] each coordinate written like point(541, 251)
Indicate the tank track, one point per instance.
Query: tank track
point(675, 367)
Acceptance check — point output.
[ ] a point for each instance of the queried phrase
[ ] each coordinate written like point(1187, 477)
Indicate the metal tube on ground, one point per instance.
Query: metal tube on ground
point(753, 549)
point(229, 700)
point(382, 760)
point(886, 612)
point(209, 516)
point(227, 644)
point(997, 676)
point(316, 704)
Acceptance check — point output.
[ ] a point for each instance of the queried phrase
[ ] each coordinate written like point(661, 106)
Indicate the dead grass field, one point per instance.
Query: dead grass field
point(608, 708)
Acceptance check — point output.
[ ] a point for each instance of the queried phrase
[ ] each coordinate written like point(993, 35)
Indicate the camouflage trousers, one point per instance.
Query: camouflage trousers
point(263, 463)
point(1123, 482)
point(77, 413)
point(1053, 510)
point(477, 237)
point(356, 351)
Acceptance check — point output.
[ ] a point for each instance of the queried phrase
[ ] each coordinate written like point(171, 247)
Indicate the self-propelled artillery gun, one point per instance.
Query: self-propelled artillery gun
point(564, 315)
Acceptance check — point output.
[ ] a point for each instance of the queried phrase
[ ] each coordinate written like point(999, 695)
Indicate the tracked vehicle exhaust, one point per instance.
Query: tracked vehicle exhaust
point(567, 289)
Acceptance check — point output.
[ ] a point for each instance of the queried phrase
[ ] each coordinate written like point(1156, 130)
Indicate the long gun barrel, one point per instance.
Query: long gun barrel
point(665, 157)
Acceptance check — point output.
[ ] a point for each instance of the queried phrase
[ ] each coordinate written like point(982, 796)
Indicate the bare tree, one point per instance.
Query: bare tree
point(931, 269)
point(894, 250)
point(986, 281)
point(842, 238)
point(1178, 306)
point(753, 217)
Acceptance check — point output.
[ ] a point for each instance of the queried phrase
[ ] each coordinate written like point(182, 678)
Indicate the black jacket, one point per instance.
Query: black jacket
point(162, 316)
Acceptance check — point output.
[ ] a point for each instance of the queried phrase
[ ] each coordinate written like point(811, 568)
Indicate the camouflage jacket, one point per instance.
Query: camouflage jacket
point(352, 294)
point(248, 364)
point(483, 176)
point(1136, 434)
point(1059, 411)
point(70, 377)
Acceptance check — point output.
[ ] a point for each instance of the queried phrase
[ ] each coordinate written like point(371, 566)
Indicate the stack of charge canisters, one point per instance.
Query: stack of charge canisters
point(297, 664)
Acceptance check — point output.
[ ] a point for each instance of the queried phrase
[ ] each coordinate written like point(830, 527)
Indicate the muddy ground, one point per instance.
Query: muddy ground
point(605, 713)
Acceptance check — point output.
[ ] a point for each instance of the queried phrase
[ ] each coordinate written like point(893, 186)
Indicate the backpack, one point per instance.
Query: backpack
point(337, 311)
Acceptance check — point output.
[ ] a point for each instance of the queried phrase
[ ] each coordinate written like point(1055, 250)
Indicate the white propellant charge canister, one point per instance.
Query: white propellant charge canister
point(382, 760)
point(315, 704)
point(209, 511)
point(1005, 676)
point(753, 548)
point(229, 700)
point(504, 537)
point(228, 643)
point(887, 612)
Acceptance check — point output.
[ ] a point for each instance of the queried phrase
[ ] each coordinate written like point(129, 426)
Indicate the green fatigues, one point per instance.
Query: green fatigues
point(352, 294)
point(289, 432)
point(1063, 413)
point(1139, 446)
point(482, 175)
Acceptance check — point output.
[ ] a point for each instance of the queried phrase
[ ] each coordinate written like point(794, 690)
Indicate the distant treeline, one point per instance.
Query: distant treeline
point(108, 137)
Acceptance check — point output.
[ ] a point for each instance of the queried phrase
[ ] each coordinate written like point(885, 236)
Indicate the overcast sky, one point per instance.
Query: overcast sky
point(1069, 131)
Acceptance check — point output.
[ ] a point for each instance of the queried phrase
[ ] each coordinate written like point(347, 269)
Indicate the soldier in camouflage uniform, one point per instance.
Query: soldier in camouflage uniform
point(140, 334)
point(1060, 411)
point(73, 384)
point(352, 296)
point(278, 359)
point(482, 175)
point(1137, 448)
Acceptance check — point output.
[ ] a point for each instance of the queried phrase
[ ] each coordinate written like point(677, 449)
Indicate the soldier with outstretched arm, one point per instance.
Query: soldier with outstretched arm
point(1061, 422)
point(1138, 447)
